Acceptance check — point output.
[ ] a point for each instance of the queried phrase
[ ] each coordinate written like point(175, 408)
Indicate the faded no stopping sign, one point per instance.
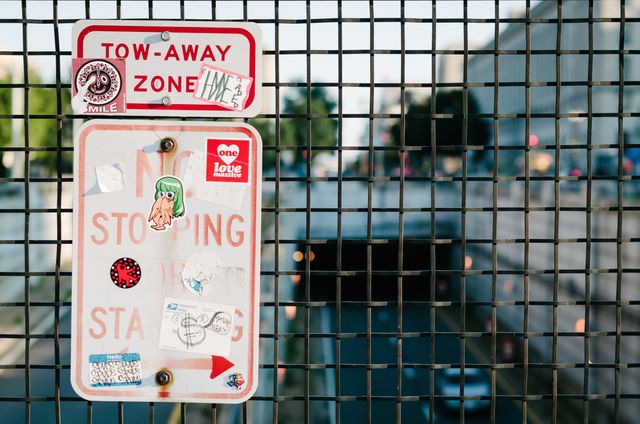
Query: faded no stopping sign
point(166, 261)
point(163, 68)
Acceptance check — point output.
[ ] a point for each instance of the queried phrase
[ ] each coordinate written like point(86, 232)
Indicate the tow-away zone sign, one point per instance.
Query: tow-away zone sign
point(166, 68)
point(166, 258)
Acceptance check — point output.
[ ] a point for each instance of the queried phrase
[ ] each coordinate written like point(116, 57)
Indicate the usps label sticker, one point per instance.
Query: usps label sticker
point(223, 88)
point(227, 161)
point(196, 327)
point(115, 369)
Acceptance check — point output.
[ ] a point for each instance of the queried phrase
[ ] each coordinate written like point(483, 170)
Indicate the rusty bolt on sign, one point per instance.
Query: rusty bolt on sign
point(167, 144)
point(164, 377)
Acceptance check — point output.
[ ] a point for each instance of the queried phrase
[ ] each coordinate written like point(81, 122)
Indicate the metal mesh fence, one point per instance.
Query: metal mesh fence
point(450, 211)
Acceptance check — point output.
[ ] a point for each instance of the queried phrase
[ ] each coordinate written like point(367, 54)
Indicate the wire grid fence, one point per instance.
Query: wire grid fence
point(461, 329)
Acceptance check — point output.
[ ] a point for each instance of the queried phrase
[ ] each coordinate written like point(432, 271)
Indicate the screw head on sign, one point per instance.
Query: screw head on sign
point(166, 101)
point(164, 377)
point(125, 273)
point(167, 144)
point(166, 36)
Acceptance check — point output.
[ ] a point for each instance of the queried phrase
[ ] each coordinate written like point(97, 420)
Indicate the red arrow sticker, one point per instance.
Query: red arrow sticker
point(219, 364)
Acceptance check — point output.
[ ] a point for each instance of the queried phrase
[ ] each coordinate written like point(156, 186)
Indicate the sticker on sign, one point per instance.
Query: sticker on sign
point(118, 369)
point(166, 68)
point(165, 278)
point(199, 327)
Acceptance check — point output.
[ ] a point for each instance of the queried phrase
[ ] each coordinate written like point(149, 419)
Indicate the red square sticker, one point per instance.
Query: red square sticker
point(227, 161)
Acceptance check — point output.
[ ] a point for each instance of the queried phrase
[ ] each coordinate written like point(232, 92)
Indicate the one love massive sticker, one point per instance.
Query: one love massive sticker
point(227, 160)
point(167, 68)
point(166, 254)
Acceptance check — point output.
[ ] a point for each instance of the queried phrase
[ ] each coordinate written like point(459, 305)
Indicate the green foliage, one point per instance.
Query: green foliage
point(294, 130)
point(266, 130)
point(5, 124)
point(449, 132)
point(42, 131)
point(5, 109)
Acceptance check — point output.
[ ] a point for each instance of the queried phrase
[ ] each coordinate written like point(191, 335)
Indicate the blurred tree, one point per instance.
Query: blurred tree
point(448, 131)
point(266, 130)
point(42, 132)
point(294, 130)
point(5, 124)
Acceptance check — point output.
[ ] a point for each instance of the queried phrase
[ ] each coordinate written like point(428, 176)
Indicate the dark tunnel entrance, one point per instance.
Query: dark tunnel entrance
point(384, 271)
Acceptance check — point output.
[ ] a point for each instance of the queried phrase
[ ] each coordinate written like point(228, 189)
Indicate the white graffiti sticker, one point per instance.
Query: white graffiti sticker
point(196, 327)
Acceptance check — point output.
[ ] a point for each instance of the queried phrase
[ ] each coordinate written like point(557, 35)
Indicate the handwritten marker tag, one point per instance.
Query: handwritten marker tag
point(222, 87)
point(115, 369)
point(196, 327)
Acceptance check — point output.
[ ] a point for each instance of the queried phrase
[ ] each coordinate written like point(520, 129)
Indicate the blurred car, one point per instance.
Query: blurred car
point(476, 383)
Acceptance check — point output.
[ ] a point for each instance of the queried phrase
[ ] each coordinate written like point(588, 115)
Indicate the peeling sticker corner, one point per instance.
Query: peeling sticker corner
point(204, 274)
point(199, 271)
point(227, 196)
point(222, 194)
point(111, 178)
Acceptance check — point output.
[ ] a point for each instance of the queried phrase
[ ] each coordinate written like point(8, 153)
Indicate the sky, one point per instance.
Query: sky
point(324, 36)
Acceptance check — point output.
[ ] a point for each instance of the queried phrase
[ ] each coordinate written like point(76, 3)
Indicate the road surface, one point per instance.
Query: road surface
point(73, 408)
point(415, 381)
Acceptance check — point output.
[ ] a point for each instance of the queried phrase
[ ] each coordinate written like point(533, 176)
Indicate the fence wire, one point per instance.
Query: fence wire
point(451, 208)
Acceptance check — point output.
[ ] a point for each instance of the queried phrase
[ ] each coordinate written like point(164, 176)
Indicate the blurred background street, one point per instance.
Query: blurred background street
point(490, 227)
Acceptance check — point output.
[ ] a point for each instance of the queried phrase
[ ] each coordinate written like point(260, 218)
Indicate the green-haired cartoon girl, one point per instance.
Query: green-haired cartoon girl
point(169, 202)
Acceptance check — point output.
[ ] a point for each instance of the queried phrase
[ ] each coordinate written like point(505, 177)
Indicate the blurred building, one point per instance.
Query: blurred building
point(450, 66)
point(574, 98)
point(574, 68)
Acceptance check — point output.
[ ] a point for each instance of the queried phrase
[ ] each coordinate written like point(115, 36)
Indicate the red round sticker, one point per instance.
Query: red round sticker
point(125, 273)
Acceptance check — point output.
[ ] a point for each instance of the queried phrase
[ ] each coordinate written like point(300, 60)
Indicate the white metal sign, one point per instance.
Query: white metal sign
point(167, 68)
point(166, 261)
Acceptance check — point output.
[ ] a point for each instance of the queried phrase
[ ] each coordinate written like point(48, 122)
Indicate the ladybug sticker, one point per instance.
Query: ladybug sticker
point(125, 273)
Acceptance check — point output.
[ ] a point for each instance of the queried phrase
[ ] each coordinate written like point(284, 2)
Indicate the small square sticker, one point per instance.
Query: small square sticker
point(227, 161)
point(98, 86)
point(196, 327)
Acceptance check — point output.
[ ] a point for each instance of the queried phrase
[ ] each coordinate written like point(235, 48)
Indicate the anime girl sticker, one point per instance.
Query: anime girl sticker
point(168, 204)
